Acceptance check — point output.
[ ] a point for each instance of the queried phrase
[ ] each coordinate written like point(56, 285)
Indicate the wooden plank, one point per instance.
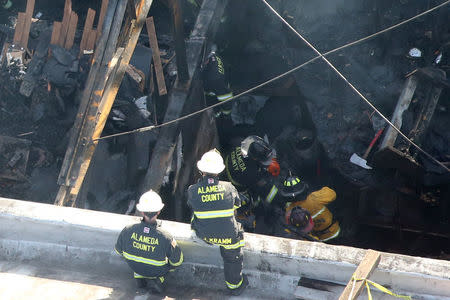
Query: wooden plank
point(403, 103)
point(101, 18)
point(19, 28)
point(90, 44)
point(96, 74)
point(27, 25)
point(65, 22)
point(130, 15)
point(87, 29)
point(79, 152)
point(3, 54)
point(137, 75)
point(55, 33)
point(71, 31)
point(364, 270)
point(180, 45)
point(162, 90)
point(102, 100)
point(179, 95)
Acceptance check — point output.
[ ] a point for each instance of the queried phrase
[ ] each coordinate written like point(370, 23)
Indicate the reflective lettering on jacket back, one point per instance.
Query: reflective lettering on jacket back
point(211, 192)
point(144, 243)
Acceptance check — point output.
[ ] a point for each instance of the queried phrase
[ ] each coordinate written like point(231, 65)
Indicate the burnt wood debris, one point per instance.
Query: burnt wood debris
point(91, 93)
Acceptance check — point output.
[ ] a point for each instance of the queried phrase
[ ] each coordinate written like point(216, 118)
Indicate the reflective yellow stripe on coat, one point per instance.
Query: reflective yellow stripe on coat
point(177, 263)
point(211, 214)
point(144, 260)
point(241, 243)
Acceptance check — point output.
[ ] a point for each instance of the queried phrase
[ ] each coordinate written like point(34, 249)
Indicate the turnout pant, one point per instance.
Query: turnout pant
point(232, 266)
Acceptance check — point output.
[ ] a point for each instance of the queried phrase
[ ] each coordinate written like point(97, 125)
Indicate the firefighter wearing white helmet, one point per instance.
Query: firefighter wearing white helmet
point(149, 251)
point(213, 203)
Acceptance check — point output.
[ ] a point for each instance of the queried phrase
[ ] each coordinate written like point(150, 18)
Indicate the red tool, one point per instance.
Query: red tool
point(362, 161)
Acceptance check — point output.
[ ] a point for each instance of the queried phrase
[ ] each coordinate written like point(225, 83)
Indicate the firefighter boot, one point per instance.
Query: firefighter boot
point(141, 283)
point(241, 288)
point(156, 285)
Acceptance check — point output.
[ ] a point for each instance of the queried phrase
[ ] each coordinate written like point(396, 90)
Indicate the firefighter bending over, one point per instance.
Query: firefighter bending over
point(213, 203)
point(149, 251)
point(252, 164)
point(325, 227)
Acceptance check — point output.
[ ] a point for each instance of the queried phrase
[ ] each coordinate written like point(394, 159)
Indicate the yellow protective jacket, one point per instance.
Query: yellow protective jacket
point(325, 228)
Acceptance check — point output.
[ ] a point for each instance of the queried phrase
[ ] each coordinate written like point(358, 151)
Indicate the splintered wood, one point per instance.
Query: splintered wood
point(90, 35)
point(63, 33)
point(87, 29)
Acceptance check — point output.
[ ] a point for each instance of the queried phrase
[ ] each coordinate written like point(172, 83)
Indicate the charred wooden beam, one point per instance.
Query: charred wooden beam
point(390, 154)
point(180, 45)
point(101, 99)
point(156, 56)
point(210, 12)
point(68, 177)
point(101, 18)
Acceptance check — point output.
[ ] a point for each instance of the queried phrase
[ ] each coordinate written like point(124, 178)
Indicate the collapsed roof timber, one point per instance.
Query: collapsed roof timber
point(71, 62)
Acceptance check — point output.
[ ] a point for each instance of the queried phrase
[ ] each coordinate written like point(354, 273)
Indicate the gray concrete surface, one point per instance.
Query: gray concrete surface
point(46, 250)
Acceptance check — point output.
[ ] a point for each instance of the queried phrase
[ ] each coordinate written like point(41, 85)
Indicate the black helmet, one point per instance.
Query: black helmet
point(299, 217)
point(258, 149)
point(293, 186)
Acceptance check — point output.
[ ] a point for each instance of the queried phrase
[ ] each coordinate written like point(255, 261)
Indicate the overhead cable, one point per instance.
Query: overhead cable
point(147, 128)
point(354, 88)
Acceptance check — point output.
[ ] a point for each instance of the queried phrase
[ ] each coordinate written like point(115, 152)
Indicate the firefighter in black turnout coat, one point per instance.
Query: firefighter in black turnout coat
point(213, 203)
point(149, 251)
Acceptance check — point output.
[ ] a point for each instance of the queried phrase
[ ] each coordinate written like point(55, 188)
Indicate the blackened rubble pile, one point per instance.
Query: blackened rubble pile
point(403, 186)
point(43, 74)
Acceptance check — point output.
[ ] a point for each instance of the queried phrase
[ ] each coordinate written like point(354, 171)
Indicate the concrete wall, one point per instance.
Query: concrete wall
point(85, 239)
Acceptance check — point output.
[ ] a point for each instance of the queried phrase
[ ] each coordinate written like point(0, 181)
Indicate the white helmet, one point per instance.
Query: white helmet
point(150, 202)
point(211, 162)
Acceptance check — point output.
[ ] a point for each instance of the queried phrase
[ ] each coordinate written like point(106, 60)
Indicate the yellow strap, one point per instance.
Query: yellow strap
point(380, 287)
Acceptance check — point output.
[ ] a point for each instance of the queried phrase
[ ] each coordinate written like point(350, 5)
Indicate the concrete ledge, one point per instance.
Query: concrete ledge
point(85, 239)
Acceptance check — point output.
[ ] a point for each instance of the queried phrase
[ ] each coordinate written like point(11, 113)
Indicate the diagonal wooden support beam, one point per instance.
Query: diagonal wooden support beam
point(210, 13)
point(101, 18)
point(156, 56)
point(94, 112)
point(364, 270)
